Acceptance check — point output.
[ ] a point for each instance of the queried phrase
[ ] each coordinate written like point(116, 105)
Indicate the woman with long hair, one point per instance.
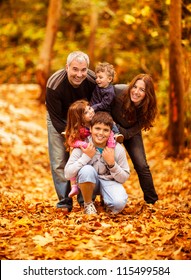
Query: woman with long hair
point(134, 109)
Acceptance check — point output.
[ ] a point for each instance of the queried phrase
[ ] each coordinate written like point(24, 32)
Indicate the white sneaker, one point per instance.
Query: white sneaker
point(89, 208)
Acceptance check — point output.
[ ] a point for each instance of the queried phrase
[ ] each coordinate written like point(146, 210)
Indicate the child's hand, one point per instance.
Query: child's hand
point(90, 150)
point(108, 155)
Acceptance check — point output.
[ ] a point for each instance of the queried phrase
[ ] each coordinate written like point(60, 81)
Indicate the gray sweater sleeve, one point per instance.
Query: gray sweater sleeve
point(75, 162)
point(121, 171)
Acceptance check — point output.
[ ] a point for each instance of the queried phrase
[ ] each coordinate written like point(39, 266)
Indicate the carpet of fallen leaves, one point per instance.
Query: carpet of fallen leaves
point(33, 229)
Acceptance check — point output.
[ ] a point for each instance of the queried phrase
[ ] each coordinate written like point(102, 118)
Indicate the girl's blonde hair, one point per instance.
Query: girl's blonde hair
point(107, 68)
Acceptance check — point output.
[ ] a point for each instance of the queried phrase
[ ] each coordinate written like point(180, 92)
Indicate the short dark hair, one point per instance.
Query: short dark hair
point(103, 118)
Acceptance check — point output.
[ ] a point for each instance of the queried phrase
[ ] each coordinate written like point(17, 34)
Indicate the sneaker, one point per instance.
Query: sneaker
point(89, 208)
point(119, 138)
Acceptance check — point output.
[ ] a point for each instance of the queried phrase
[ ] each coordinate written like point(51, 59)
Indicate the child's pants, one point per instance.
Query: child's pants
point(113, 193)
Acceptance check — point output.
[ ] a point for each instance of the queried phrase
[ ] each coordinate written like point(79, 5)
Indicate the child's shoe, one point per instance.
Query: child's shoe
point(119, 138)
point(74, 190)
point(89, 208)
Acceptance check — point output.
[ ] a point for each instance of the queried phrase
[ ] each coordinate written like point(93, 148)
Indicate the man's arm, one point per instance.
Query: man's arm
point(54, 108)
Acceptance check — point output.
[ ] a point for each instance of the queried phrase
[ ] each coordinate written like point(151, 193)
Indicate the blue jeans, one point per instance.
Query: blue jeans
point(136, 151)
point(113, 193)
point(115, 129)
point(58, 158)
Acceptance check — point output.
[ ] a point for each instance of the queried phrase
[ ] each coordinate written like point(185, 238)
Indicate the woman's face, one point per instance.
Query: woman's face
point(88, 114)
point(137, 93)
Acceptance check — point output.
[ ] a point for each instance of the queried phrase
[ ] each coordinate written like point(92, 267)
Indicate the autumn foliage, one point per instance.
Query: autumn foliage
point(33, 229)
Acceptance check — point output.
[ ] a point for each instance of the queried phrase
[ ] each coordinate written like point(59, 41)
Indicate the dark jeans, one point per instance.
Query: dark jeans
point(136, 151)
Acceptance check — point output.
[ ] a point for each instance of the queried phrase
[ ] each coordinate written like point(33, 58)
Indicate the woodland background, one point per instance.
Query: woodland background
point(134, 38)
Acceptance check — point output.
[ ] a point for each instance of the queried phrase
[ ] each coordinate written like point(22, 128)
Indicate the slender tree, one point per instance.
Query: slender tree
point(93, 28)
point(43, 66)
point(176, 110)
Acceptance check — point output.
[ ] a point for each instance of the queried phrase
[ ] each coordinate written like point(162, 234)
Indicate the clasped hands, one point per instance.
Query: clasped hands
point(107, 154)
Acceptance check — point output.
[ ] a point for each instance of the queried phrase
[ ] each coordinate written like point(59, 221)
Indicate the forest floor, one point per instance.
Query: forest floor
point(33, 229)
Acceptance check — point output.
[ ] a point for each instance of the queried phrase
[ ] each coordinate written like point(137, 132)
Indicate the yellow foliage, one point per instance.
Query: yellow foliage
point(31, 226)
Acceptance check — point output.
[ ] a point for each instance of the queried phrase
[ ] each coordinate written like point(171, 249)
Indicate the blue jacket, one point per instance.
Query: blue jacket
point(102, 98)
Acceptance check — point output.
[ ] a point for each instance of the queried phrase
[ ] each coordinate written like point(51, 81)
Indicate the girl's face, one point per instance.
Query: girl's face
point(102, 79)
point(137, 93)
point(88, 114)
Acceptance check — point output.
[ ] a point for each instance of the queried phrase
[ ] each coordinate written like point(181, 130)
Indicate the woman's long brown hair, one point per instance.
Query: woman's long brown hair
point(147, 109)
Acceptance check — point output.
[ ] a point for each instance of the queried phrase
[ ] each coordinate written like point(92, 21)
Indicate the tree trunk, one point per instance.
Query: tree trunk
point(44, 64)
point(93, 27)
point(176, 111)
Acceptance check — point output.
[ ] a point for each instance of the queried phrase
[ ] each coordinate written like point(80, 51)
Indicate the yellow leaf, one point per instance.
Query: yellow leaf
point(116, 236)
point(129, 19)
point(43, 240)
point(24, 222)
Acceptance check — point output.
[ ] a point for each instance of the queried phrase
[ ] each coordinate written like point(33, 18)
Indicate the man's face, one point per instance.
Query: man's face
point(100, 134)
point(77, 72)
